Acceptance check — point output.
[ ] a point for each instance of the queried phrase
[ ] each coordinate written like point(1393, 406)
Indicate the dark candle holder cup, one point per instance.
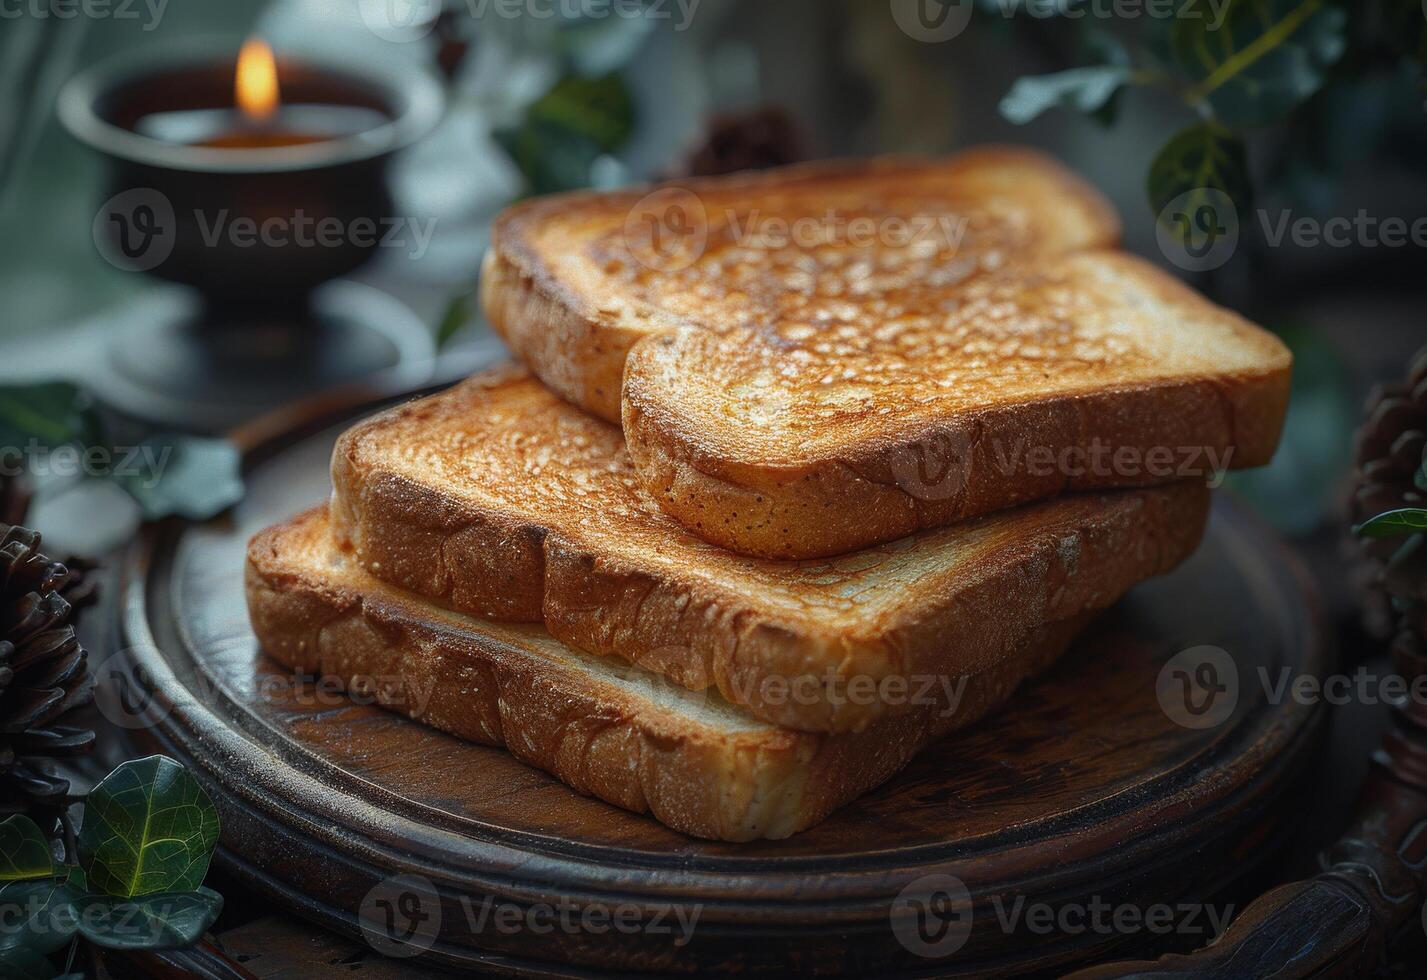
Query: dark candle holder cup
point(259, 232)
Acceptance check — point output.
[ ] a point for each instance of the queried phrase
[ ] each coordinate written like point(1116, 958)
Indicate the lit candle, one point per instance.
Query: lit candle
point(260, 119)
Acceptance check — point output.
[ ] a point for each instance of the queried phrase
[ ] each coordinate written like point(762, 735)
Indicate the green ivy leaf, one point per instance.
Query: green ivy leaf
point(1205, 157)
point(1405, 520)
point(189, 476)
point(169, 920)
point(567, 129)
point(38, 915)
point(24, 852)
point(1084, 89)
point(52, 413)
point(22, 963)
point(1265, 57)
point(148, 827)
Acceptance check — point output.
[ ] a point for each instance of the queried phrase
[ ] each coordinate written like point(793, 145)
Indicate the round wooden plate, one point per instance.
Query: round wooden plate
point(1083, 790)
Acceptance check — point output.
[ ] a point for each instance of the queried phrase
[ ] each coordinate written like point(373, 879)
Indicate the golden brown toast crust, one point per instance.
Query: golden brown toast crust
point(804, 396)
point(697, 765)
point(573, 281)
point(498, 499)
point(787, 449)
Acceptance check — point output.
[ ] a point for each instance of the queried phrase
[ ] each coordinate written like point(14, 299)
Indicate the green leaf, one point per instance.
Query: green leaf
point(1205, 157)
point(38, 915)
point(51, 413)
point(148, 827)
point(170, 920)
point(1083, 89)
point(567, 129)
point(458, 312)
point(24, 852)
point(598, 108)
point(1264, 58)
point(22, 963)
point(189, 476)
point(1405, 520)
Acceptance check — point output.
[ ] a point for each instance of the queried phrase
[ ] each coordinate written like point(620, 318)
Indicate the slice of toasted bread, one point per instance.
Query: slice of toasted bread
point(498, 499)
point(695, 762)
point(1086, 371)
point(573, 281)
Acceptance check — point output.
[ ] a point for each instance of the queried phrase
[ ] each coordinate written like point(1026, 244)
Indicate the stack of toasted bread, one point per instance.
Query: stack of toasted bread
point(806, 469)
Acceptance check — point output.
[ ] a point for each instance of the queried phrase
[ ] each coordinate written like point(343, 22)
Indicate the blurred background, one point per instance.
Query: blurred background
point(1306, 117)
point(545, 95)
point(1317, 141)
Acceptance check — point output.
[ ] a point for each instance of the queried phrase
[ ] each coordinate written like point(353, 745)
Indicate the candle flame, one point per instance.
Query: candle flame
point(256, 83)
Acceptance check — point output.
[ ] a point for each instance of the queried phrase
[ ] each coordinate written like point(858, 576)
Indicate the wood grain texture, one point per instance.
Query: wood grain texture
point(1081, 788)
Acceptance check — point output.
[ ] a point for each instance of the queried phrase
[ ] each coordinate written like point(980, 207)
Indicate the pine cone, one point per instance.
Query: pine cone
point(755, 140)
point(43, 673)
point(1391, 453)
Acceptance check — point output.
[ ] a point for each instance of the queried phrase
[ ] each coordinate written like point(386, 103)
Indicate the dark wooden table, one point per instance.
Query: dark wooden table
point(272, 945)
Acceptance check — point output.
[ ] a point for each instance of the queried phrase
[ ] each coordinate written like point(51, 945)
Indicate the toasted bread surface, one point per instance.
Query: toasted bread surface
point(498, 499)
point(1083, 371)
point(604, 728)
point(574, 281)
